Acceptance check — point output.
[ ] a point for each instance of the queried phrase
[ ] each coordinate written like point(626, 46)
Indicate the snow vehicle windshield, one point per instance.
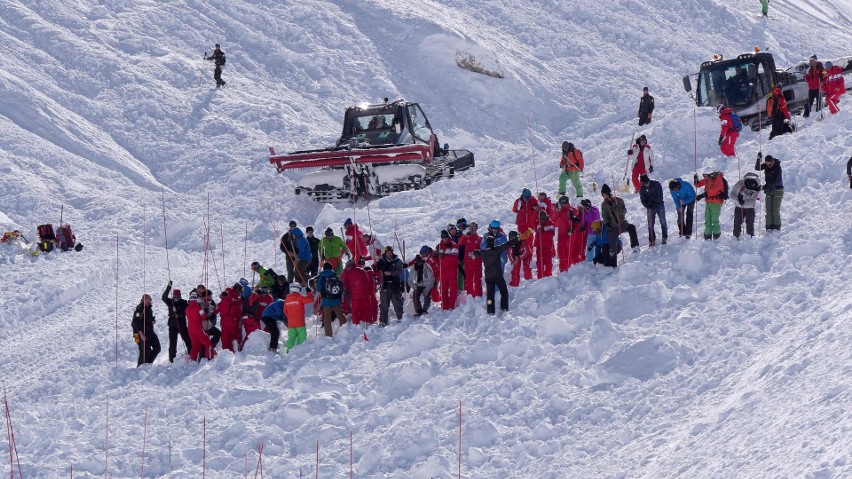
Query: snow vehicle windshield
point(732, 83)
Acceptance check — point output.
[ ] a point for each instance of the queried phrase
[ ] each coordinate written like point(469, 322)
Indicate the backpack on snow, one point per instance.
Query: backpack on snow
point(46, 238)
point(333, 288)
point(736, 123)
point(66, 237)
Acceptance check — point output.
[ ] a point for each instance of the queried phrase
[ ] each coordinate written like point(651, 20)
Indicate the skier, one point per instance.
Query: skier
point(776, 108)
point(746, 191)
point(566, 217)
point(195, 317)
point(815, 76)
point(526, 207)
point(422, 280)
point(491, 255)
point(683, 196)
point(644, 160)
point(331, 250)
point(313, 243)
point(764, 7)
point(143, 331)
point(774, 189)
point(390, 267)
point(448, 263)
point(731, 127)
point(470, 243)
point(230, 311)
point(715, 192)
point(651, 196)
point(294, 312)
point(330, 291)
point(571, 165)
point(287, 245)
point(646, 107)
point(353, 240)
point(613, 216)
point(177, 320)
point(834, 87)
point(218, 58)
point(544, 233)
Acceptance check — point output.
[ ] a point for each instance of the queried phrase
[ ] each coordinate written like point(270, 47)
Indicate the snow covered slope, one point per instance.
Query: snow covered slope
point(723, 359)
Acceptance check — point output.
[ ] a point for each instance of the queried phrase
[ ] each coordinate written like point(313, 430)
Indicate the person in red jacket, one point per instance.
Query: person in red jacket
point(815, 76)
point(577, 242)
point(546, 203)
point(520, 256)
point(358, 287)
point(643, 165)
point(834, 86)
point(565, 230)
point(526, 208)
point(730, 132)
point(544, 233)
point(471, 242)
point(776, 109)
point(195, 316)
point(230, 312)
point(376, 280)
point(448, 265)
point(354, 240)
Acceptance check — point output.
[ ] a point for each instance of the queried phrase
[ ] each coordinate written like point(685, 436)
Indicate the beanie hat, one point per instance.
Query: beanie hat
point(564, 200)
point(327, 266)
point(237, 286)
point(814, 57)
point(445, 234)
point(645, 89)
point(255, 265)
point(513, 235)
point(292, 223)
point(424, 250)
point(606, 190)
point(176, 293)
point(570, 146)
point(348, 222)
point(329, 231)
point(644, 179)
point(769, 158)
point(309, 229)
point(565, 145)
point(587, 203)
point(461, 223)
point(388, 248)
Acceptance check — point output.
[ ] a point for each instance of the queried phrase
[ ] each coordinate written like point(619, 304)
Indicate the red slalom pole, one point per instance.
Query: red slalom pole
point(259, 465)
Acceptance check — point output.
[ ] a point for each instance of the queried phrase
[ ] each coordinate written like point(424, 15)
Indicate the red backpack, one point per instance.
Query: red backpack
point(46, 238)
point(66, 237)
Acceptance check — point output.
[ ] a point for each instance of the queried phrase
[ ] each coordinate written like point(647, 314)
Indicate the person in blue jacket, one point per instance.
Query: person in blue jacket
point(500, 237)
point(330, 289)
point(683, 195)
point(303, 256)
point(271, 315)
point(597, 246)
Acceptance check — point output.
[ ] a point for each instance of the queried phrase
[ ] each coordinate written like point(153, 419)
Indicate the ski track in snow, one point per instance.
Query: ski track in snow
point(697, 359)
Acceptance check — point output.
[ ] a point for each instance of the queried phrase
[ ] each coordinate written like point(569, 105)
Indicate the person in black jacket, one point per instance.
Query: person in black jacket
point(390, 268)
point(651, 195)
point(493, 265)
point(646, 107)
point(773, 189)
point(143, 332)
point(287, 245)
point(177, 321)
point(313, 267)
point(218, 58)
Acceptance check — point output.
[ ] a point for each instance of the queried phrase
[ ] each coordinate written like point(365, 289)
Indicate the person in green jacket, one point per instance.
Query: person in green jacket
point(331, 249)
point(267, 276)
point(764, 4)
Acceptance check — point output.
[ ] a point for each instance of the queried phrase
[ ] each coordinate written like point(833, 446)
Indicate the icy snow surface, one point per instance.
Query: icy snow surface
point(697, 359)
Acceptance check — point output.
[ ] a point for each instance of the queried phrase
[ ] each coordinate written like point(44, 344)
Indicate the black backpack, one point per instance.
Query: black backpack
point(727, 189)
point(333, 288)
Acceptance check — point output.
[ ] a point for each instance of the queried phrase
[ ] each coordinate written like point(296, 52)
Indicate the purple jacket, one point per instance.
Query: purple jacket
point(589, 216)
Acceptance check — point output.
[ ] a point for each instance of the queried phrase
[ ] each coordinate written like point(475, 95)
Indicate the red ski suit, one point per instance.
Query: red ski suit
point(355, 242)
point(448, 267)
point(521, 259)
point(527, 211)
point(728, 134)
point(834, 87)
point(644, 161)
point(230, 312)
point(544, 234)
point(565, 231)
point(358, 287)
point(197, 335)
point(472, 264)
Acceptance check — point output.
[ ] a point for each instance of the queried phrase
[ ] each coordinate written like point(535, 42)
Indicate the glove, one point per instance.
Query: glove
point(136, 338)
point(630, 151)
point(700, 197)
point(759, 156)
point(170, 282)
point(721, 139)
point(740, 199)
point(591, 247)
point(695, 178)
point(309, 290)
point(651, 169)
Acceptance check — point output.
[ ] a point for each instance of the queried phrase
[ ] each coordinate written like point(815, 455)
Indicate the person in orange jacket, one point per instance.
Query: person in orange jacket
point(520, 256)
point(571, 163)
point(815, 76)
point(776, 109)
point(294, 310)
point(716, 192)
point(544, 233)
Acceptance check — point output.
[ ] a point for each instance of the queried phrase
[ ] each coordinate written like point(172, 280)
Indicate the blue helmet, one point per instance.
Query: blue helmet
point(494, 224)
point(526, 194)
point(424, 250)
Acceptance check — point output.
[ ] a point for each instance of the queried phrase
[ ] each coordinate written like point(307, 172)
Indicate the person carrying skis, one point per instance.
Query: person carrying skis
point(469, 243)
point(313, 243)
point(644, 160)
point(330, 291)
point(815, 76)
point(360, 290)
point(390, 268)
point(746, 191)
point(716, 192)
point(651, 196)
point(520, 256)
point(646, 107)
point(143, 331)
point(776, 108)
point(448, 264)
point(571, 164)
point(683, 196)
point(354, 240)
point(422, 280)
point(195, 317)
point(773, 188)
point(287, 245)
point(218, 58)
point(331, 249)
point(834, 87)
point(491, 255)
point(294, 311)
point(731, 127)
point(230, 312)
point(177, 320)
point(566, 219)
point(544, 233)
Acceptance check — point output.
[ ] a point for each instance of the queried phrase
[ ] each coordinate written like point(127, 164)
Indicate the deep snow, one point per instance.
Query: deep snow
point(722, 359)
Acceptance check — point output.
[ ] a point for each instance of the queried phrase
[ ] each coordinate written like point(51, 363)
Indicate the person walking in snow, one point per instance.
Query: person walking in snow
point(294, 312)
point(646, 107)
point(218, 58)
point(571, 163)
point(643, 162)
point(177, 320)
point(746, 191)
point(614, 217)
point(773, 188)
point(834, 86)
point(195, 318)
point(731, 127)
point(330, 291)
point(683, 196)
point(651, 196)
point(448, 264)
point(143, 331)
point(776, 108)
point(422, 280)
point(815, 76)
point(544, 233)
point(390, 268)
point(331, 250)
point(716, 192)
point(491, 255)
point(313, 243)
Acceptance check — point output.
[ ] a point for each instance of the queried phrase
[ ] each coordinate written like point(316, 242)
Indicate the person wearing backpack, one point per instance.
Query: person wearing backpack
point(716, 192)
point(571, 164)
point(218, 58)
point(177, 321)
point(143, 332)
point(66, 238)
point(330, 290)
point(731, 127)
point(774, 189)
point(746, 192)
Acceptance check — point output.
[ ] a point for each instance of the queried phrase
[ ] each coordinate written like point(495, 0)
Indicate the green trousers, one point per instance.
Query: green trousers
point(711, 219)
point(764, 6)
point(575, 180)
point(295, 337)
point(773, 209)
